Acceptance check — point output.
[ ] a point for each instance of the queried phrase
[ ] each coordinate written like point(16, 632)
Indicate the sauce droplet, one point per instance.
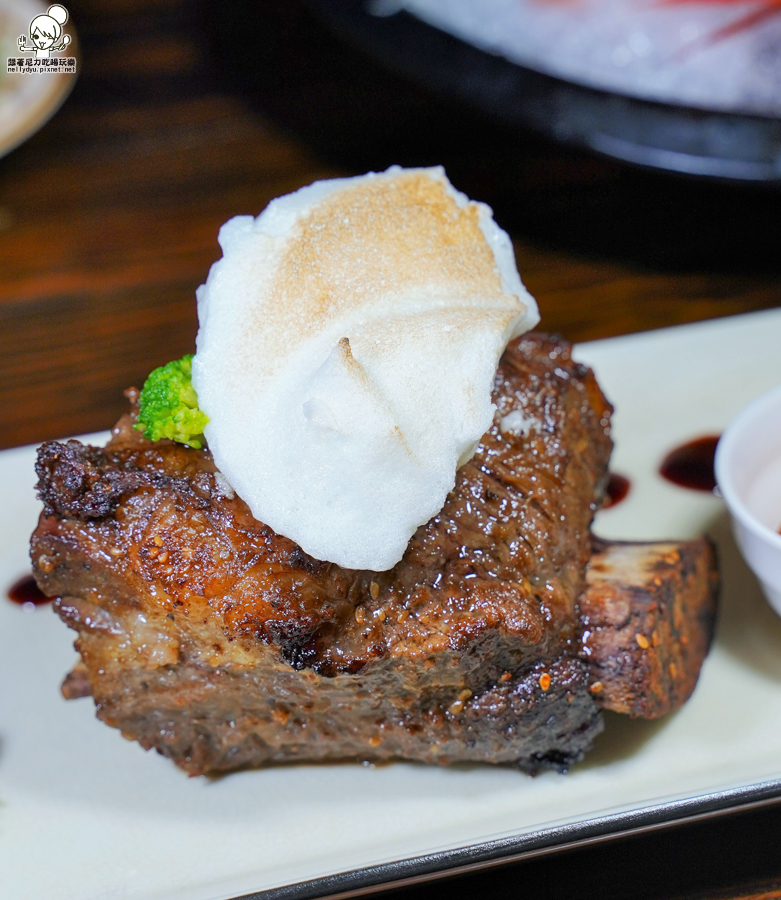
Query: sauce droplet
point(616, 490)
point(691, 464)
point(25, 590)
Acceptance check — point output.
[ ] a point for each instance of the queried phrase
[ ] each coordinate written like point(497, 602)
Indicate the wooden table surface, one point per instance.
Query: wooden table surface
point(109, 219)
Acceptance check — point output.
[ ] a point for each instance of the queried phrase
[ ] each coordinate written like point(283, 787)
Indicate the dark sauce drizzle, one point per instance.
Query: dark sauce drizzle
point(691, 464)
point(616, 490)
point(25, 590)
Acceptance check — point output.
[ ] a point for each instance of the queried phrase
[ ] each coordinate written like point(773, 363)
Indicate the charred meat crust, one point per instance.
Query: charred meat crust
point(265, 716)
point(191, 613)
point(506, 555)
point(648, 616)
point(545, 715)
point(80, 481)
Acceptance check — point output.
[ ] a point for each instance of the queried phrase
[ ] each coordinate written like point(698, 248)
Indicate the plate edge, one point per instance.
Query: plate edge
point(473, 857)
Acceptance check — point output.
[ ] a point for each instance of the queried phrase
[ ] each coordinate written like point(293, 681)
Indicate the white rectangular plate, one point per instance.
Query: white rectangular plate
point(86, 814)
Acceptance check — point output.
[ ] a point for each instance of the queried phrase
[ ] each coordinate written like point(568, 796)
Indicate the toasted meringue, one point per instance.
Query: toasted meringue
point(348, 342)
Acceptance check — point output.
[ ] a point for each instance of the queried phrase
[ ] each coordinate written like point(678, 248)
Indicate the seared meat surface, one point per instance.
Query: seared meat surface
point(207, 635)
point(647, 619)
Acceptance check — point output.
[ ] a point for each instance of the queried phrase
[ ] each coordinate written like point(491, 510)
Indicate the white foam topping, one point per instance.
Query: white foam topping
point(348, 342)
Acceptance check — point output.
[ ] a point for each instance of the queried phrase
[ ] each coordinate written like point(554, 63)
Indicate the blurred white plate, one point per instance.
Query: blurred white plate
point(27, 101)
point(84, 813)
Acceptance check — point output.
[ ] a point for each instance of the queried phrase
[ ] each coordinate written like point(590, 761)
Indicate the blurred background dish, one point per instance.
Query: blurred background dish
point(26, 101)
point(710, 54)
point(672, 117)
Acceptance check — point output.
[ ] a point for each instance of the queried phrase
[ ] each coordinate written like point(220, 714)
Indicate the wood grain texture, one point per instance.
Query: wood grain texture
point(760, 895)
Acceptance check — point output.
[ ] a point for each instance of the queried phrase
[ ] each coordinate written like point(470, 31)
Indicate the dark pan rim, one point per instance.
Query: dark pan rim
point(725, 145)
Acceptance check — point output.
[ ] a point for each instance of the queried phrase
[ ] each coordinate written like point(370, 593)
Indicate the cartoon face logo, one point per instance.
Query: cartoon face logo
point(46, 33)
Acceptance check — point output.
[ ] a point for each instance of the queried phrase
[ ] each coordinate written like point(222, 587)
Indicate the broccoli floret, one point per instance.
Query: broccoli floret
point(168, 405)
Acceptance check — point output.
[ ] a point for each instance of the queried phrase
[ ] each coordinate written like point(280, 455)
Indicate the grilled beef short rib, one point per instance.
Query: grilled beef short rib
point(208, 636)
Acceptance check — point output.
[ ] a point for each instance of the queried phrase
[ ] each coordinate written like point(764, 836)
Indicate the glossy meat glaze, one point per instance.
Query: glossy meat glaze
point(222, 644)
